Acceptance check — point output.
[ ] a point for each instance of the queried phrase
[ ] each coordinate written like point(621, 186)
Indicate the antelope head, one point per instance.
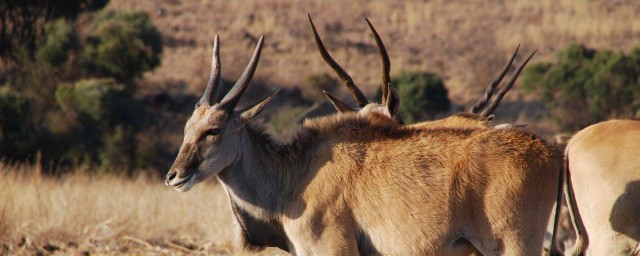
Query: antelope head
point(390, 102)
point(212, 133)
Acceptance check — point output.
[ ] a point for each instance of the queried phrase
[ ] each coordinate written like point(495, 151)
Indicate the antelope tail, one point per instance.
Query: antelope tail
point(582, 238)
point(553, 251)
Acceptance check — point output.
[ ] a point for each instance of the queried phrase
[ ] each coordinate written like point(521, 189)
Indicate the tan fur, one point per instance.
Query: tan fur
point(356, 184)
point(604, 167)
point(362, 184)
point(467, 120)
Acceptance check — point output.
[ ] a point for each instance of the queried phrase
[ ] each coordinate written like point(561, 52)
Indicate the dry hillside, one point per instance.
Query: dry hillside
point(465, 42)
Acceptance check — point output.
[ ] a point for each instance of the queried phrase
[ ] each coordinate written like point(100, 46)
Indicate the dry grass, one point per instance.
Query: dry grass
point(110, 215)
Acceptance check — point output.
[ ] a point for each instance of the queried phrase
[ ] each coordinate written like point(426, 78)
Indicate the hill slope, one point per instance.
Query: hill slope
point(465, 42)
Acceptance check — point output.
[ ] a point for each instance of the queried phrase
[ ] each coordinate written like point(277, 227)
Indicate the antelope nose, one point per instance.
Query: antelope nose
point(170, 176)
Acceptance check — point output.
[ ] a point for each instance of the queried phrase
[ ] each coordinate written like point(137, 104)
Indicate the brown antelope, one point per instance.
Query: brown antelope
point(479, 115)
point(603, 188)
point(351, 184)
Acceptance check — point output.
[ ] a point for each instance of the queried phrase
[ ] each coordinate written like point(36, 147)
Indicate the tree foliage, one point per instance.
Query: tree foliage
point(21, 21)
point(585, 86)
point(76, 102)
point(422, 96)
point(315, 84)
point(59, 39)
point(123, 45)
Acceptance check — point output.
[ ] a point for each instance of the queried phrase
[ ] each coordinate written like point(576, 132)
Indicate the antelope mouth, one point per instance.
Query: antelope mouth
point(183, 183)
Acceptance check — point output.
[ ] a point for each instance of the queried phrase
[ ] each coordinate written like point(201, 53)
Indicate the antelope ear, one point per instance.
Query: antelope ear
point(393, 100)
point(254, 109)
point(338, 104)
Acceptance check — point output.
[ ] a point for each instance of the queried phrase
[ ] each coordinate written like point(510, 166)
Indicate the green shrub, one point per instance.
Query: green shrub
point(585, 86)
point(60, 38)
point(107, 120)
point(147, 151)
point(118, 151)
point(82, 108)
point(88, 96)
point(286, 120)
point(123, 45)
point(12, 105)
point(12, 121)
point(23, 23)
point(422, 96)
point(315, 84)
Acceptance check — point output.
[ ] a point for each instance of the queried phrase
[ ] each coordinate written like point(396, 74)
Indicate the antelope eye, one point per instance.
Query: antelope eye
point(213, 131)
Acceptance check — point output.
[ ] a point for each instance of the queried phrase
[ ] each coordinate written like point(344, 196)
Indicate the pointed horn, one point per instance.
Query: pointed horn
point(233, 96)
point(496, 101)
point(252, 105)
point(211, 91)
point(353, 89)
point(386, 63)
point(251, 111)
point(494, 84)
point(341, 106)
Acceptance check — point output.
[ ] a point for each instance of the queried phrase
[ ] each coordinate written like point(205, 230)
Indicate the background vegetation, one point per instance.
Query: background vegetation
point(585, 86)
point(423, 96)
point(69, 87)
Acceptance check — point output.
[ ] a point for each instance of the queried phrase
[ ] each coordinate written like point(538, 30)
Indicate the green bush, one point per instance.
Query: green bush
point(22, 23)
point(60, 38)
point(585, 86)
point(118, 152)
point(88, 96)
point(76, 102)
point(106, 121)
point(123, 45)
point(422, 96)
point(286, 118)
point(12, 105)
point(12, 115)
point(315, 84)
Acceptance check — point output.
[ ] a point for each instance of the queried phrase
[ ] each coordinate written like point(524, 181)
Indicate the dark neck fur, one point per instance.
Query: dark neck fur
point(259, 193)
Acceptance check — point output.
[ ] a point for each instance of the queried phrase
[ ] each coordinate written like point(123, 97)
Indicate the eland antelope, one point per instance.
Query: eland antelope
point(479, 115)
point(351, 184)
point(603, 188)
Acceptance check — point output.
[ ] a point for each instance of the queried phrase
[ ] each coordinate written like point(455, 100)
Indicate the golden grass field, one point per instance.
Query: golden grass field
point(101, 214)
point(83, 213)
